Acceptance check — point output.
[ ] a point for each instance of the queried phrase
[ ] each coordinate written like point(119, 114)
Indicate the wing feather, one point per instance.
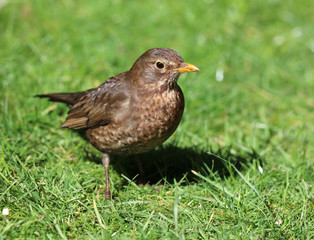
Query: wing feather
point(98, 106)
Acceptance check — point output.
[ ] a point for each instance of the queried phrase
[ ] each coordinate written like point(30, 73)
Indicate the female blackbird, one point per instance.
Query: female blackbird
point(132, 112)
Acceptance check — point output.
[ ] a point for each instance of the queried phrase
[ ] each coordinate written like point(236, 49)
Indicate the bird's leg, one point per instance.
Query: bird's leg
point(105, 162)
point(142, 178)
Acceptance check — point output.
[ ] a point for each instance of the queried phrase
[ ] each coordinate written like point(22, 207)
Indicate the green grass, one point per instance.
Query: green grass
point(259, 117)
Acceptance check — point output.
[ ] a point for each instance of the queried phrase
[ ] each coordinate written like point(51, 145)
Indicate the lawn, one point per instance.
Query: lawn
point(240, 165)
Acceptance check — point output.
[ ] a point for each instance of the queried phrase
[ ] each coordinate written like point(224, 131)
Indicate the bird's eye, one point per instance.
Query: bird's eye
point(160, 65)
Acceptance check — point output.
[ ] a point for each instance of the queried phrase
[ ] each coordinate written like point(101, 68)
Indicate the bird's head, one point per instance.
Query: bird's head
point(159, 66)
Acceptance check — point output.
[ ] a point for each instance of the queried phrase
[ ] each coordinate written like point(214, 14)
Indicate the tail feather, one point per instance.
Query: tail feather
point(68, 98)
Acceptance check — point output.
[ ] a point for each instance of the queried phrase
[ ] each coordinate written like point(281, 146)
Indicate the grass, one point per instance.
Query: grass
point(248, 138)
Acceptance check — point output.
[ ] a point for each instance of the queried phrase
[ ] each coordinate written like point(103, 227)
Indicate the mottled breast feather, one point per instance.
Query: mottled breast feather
point(149, 122)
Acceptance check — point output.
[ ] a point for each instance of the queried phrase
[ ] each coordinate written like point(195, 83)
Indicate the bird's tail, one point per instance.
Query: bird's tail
point(68, 98)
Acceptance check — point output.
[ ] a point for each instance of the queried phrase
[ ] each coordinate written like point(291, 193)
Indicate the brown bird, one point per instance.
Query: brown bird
point(132, 112)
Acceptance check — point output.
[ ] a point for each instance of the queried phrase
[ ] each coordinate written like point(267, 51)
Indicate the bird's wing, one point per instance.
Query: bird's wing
point(98, 106)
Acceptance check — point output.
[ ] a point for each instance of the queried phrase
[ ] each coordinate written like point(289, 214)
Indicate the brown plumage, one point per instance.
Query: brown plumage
point(131, 112)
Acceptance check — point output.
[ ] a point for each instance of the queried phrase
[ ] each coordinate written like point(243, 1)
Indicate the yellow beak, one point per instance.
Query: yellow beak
point(187, 67)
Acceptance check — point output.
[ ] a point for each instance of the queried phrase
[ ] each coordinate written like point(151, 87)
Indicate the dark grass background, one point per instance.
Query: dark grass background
point(247, 138)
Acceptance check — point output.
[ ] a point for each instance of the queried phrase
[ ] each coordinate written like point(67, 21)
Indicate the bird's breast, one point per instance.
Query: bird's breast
point(157, 113)
point(152, 117)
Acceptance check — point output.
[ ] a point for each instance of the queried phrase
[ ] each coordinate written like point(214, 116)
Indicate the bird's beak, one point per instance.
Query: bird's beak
point(187, 67)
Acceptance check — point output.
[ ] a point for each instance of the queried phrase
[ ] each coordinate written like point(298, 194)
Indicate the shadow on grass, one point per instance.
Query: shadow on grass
point(173, 163)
